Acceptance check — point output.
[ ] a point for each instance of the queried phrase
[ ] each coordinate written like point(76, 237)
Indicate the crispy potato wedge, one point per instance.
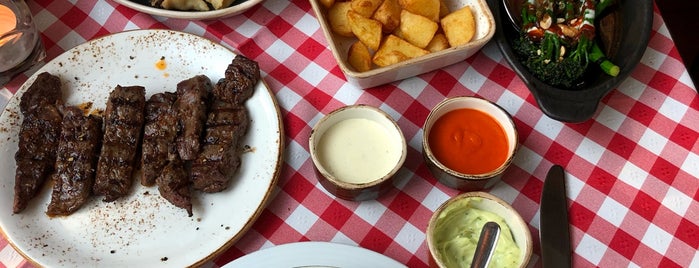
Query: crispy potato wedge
point(416, 29)
point(365, 8)
point(359, 57)
point(337, 18)
point(386, 55)
point(425, 8)
point(366, 30)
point(439, 42)
point(459, 26)
point(327, 3)
point(389, 58)
point(388, 13)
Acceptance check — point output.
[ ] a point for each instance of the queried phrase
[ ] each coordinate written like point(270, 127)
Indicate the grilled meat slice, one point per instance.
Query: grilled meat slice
point(173, 185)
point(38, 138)
point(239, 82)
point(219, 158)
point(123, 125)
point(44, 91)
point(159, 135)
point(78, 150)
point(192, 100)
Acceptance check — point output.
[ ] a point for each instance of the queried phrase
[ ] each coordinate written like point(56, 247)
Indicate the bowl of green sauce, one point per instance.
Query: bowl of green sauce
point(455, 227)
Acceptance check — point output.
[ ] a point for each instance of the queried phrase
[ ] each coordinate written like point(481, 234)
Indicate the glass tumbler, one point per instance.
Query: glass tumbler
point(20, 42)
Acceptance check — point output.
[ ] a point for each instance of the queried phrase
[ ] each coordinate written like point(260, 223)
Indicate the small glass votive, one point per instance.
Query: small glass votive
point(20, 42)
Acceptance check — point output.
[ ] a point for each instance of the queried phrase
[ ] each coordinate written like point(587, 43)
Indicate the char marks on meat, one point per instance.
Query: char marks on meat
point(76, 160)
point(219, 157)
point(159, 133)
point(174, 185)
point(239, 81)
point(226, 124)
point(123, 125)
point(191, 104)
point(38, 138)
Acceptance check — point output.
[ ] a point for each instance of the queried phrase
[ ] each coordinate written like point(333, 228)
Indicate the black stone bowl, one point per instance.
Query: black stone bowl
point(624, 38)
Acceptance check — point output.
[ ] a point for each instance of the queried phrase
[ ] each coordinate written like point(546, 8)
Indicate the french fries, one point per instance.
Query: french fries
point(391, 31)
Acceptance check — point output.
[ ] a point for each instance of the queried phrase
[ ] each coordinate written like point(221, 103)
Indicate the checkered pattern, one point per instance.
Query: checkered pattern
point(631, 169)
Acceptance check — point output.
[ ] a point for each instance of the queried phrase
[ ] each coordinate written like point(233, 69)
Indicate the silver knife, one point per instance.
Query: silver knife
point(553, 215)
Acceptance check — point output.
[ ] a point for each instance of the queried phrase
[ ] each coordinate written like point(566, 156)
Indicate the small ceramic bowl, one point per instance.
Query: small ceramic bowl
point(449, 176)
point(339, 45)
point(356, 151)
point(455, 222)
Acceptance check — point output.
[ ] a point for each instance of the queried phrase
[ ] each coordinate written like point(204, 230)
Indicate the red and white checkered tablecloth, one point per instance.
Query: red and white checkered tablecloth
point(632, 169)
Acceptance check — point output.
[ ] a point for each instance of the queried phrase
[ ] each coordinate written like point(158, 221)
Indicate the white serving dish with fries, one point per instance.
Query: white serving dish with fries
point(340, 46)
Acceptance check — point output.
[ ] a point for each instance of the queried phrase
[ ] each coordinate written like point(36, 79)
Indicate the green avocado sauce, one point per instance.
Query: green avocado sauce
point(457, 231)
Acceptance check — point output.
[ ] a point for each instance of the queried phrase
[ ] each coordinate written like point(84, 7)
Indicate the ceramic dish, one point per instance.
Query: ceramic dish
point(356, 152)
point(451, 230)
point(142, 229)
point(236, 8)
point(315, 254)
point(485, 28)
point(634, 20)
point(471, 140)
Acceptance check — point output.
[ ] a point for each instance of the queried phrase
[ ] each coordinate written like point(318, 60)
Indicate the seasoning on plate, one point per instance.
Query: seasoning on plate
point(469, 141)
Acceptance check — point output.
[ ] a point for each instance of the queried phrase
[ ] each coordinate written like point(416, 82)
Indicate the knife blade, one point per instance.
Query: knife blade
point(553, 216)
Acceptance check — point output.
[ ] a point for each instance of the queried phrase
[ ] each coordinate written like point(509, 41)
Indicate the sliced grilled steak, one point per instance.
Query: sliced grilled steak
point(38, 138)
point(219, 158)
point(173, 185)
point(44, 91)
point(78, 150)
point(123, 124)
point(239, 82)
point(192, 100)
point(159, 135)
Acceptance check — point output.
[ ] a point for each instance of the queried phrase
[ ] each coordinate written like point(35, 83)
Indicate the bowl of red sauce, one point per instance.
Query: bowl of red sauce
point(469, 142)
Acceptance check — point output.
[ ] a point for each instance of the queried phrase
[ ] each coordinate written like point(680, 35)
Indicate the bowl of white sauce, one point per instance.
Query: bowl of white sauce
point(356, 151)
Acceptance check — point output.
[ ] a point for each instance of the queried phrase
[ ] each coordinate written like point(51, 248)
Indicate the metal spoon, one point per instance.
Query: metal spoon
point(486, 245)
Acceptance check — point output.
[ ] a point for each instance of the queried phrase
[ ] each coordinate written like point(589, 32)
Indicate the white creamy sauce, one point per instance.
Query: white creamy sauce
point(357, 151)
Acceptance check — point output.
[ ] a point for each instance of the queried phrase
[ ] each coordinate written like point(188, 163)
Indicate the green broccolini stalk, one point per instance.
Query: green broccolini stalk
point(558, 43)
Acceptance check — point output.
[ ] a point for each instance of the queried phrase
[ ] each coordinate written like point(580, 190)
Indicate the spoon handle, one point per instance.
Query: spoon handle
point(486, 245)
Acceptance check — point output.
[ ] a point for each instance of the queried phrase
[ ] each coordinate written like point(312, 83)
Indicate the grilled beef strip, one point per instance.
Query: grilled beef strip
point(174, 185)
point(78, 150)
point(219, 158)
point(226, 124)
point(159, 133)
point(38, 138)
point(192, 100)
point(123, 125)
point(44, 91)
point(239, 81)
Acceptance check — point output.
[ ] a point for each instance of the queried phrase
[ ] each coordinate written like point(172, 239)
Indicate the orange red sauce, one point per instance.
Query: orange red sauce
point(468, 141)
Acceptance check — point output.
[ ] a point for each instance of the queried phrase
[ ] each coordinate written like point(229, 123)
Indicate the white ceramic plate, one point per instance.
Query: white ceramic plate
point(314, 254)
point(142, 229)
point(191, 15)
